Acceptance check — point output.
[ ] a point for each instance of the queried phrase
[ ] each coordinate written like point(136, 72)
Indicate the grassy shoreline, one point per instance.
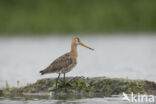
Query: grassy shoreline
point(82, 86)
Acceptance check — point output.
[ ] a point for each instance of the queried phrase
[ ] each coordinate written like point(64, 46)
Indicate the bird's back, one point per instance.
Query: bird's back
point(62, 64)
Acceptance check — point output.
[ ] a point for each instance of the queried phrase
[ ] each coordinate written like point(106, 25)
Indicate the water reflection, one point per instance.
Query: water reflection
point(38, 100)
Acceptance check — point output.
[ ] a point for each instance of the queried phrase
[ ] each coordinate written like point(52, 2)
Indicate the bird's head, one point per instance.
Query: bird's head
point(77, 41)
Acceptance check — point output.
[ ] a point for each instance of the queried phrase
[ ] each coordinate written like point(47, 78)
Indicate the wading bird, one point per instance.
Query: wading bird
point(66, 62)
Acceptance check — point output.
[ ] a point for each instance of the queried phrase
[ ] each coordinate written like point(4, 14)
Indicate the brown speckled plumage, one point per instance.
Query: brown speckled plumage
point(63, 64)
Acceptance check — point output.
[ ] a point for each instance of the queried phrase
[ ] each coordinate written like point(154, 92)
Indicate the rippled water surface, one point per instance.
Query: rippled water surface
point(48, 100)
point(67, 101)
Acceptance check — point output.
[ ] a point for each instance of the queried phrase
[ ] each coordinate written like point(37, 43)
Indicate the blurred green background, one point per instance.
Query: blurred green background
point(77, 16)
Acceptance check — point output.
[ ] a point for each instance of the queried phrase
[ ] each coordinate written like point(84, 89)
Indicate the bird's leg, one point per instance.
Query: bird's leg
point(64, 79)
point(57, 79)
point(64, 82)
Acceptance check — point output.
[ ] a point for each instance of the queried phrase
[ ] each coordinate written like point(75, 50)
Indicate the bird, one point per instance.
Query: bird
point(66, 62)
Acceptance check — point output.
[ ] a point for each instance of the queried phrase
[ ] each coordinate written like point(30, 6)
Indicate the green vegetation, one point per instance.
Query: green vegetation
point(82, 86)
point(76, 16)
point(7, 87)
point(77, 85)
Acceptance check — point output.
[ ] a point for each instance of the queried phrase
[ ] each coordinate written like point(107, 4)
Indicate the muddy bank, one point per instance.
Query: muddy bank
point(81, 85)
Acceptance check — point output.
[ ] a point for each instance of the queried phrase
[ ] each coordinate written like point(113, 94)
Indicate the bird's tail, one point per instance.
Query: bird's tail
point(46, 70)
point(42, 72)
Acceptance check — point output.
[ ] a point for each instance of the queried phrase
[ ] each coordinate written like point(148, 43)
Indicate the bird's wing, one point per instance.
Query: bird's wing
point(61, 62)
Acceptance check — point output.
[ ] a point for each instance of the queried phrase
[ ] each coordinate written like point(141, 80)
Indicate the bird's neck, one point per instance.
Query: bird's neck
point(74, 50)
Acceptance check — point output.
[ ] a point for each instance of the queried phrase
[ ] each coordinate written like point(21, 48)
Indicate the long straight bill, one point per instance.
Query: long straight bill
point(86, 46)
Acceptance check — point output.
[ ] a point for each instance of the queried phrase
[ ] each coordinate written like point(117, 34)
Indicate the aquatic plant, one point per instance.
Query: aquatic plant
point(18, 82)
point(6, 85)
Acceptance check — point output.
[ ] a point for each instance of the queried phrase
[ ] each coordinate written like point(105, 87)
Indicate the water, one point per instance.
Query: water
point(65, 100)
point(114, 56)
point(78, 101)
point(130, 56)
